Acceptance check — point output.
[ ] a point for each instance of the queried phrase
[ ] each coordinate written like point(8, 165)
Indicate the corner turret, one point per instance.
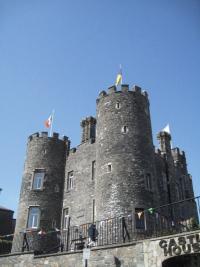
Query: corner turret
point(164, 139)
point(88, 129)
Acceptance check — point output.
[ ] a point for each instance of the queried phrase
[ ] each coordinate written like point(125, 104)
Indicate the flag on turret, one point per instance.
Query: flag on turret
point(166, 129)
point(119, 77)
point(48, 122)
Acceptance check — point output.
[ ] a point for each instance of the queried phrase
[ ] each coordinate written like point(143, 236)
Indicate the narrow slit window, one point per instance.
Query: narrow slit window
point(93, 169)
point(109, 167)
point(93, 210)
point(70, 180)
point(118, 105)
point(124, 129)
point(148, 181)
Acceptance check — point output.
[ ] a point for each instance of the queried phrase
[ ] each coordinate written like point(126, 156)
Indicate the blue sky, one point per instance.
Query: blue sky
point(60, 54)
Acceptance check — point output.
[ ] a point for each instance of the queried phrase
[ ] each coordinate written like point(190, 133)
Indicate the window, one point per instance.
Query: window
point(109, 167)
point(38, 178)
point(93, 210)
point(65, 218)
point(139, 219)
point(164, 181)
point(148, 181)
point(70, 180)
point(124, 129)
point(33, 217)
point(57, 188)
point(93, 169)
point(53, 223)
point(118, 105)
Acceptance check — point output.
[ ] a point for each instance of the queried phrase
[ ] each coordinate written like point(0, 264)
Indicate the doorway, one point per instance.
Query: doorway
point(191, 260)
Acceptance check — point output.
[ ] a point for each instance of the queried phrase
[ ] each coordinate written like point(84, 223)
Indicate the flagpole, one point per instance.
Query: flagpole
point(120, 66)
point(51, 127)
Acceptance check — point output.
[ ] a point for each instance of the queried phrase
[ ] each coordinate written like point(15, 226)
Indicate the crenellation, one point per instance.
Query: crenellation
point(113, 171)
point(112, 89)
point(125, 88)
point(43, 134)
point(102, 94)
point(55, 136)
point(33, 136)
point(72, 150)
point(144, 93)
point(137, 89)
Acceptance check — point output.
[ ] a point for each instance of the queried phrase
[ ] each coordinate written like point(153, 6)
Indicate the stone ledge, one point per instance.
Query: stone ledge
point(15, 254)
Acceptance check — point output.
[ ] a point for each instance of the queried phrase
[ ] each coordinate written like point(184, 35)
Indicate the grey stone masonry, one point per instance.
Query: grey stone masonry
point(113, 171)
point(46, 154)
point(146, 253)
point(124, 154)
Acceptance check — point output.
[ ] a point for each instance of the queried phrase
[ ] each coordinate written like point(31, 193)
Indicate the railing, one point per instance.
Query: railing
point(168, 219)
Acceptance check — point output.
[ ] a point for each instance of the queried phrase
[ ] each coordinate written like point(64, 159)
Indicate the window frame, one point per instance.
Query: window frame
point(31, 225)
point(38, 171)
point(148, 181)
point(140, 223)
point(65, 218)
point(124, 129)
point(118, 105)
point(93, 169)
point(70, 181)
point(109, 167)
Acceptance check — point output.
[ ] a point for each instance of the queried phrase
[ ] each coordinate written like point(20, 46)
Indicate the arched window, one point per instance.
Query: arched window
point(118, 105)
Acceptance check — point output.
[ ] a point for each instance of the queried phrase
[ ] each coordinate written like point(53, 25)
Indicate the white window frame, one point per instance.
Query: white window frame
point(124, 129)
point(118, 105)
point(109, 167)
point(37, 182)
point(65, 218)
point(70, 180)
point(34, 222)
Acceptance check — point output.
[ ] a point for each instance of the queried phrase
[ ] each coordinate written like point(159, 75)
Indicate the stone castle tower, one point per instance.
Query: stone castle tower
point(114, 171)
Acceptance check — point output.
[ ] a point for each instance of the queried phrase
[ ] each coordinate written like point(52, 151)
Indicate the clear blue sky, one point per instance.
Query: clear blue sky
point(60, 54)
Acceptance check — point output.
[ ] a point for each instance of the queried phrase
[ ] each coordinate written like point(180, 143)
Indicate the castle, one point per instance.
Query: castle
point(114, 171)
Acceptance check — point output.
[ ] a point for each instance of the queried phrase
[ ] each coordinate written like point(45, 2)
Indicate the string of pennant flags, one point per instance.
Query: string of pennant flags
point(42, 232)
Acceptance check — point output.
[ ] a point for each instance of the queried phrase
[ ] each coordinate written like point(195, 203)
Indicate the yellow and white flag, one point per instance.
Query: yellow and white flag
point(119, 77)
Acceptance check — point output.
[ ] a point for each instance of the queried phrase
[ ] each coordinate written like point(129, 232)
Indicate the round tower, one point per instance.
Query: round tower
point(40, 203)
point(125, 166)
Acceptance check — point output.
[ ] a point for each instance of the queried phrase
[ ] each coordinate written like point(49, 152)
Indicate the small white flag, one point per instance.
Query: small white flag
point(166, 129)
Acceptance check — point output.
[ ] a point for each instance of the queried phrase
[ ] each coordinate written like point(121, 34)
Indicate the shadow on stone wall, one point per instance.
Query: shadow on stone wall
point(117, 262)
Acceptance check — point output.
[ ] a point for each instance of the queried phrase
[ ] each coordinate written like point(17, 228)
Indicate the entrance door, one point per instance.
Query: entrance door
point(191, 260)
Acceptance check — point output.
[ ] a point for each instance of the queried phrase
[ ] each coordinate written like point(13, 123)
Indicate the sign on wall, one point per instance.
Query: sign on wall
point(181, 245)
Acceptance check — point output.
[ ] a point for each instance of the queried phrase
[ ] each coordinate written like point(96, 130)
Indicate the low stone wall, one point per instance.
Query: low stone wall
point(130, 255)
point(146, 253)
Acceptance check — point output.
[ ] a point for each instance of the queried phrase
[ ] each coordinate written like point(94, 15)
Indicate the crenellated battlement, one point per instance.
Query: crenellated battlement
point(72, 150)
point(45, 135)
point(124, 89)
point(178, 152)
point(157, 151)
point(88, 120)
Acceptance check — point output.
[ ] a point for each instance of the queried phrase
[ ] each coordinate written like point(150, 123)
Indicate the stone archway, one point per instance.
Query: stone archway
point(190, 260)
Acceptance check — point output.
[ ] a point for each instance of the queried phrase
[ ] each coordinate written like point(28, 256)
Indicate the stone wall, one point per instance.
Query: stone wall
point(126, 256)
point(146, 253)
point(79, 199)
point(125, 153)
